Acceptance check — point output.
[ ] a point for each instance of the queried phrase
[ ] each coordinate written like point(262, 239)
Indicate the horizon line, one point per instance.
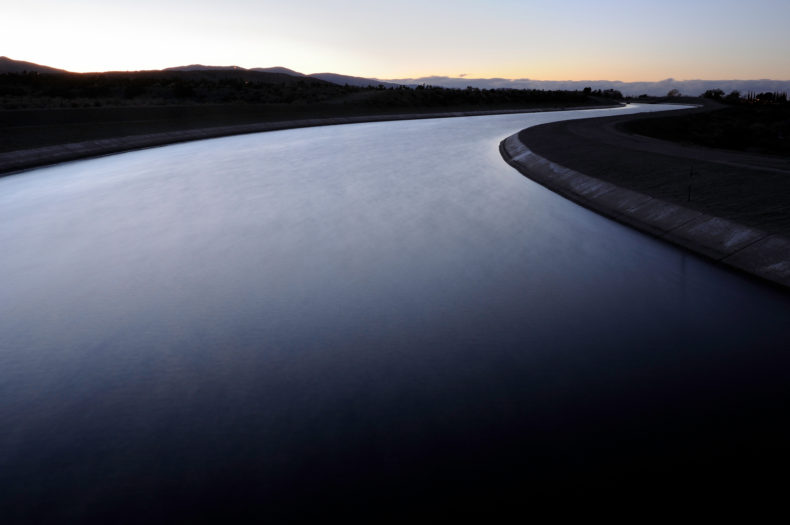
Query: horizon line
point(508, 79)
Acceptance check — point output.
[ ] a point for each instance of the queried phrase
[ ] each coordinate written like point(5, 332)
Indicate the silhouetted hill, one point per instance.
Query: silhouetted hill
point(343, 80)
point(250, 75)
point(278, 69)
point(268, 75)
point(144, 88)
point(334, 78)
point(201, 67)
point(8, 65)
point(198, 84)
point(692, 88)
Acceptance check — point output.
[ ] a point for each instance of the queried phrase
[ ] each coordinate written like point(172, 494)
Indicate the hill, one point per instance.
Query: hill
point(630, 89)
point(334, 78)
point(278, 69)
point(201, 67)
point(8, 65)
point(343, 80)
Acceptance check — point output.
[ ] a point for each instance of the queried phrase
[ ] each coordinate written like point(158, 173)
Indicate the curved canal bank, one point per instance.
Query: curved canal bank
point(13, 161)
point(575, 159)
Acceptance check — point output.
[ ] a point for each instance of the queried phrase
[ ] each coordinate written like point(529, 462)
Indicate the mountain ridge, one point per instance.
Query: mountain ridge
point(9, 65)
point(336, 78)
point(693, 87)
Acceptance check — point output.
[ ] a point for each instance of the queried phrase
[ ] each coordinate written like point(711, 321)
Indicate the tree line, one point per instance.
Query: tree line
point(750, 97)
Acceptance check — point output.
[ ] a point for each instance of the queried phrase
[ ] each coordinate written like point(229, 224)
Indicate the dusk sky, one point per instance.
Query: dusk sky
point(545, 40)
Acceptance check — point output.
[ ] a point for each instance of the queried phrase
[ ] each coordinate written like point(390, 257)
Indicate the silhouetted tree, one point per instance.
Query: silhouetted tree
point(715, 94)
point(733, 98)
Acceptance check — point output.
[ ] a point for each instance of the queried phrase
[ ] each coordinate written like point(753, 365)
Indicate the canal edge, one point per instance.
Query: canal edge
point(16, 161)
point(743, 248)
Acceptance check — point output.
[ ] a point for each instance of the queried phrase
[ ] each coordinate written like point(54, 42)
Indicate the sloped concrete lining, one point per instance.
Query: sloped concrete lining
point(660, 217)
point(744, 248)
point(13, 161)
point(767, 257)
point(714, 237)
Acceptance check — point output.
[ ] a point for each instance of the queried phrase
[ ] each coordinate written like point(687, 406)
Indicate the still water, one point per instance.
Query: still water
point(376, 318)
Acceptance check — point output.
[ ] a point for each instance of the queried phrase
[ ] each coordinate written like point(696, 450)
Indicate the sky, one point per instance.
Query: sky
point(633, 40)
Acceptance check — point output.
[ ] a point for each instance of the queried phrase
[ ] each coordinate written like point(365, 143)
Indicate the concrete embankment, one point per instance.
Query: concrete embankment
point(18, 160)
point(747, 248)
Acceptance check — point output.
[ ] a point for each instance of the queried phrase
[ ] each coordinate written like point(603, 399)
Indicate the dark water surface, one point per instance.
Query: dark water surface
point(378, 318)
